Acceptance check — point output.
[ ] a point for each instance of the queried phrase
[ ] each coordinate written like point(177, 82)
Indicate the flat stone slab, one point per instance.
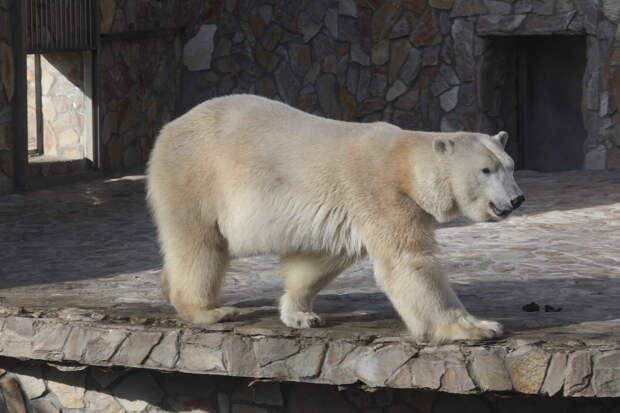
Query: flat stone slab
point(79, 282)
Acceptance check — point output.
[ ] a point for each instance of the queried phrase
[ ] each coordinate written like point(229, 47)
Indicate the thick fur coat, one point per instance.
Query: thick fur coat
point(243, 175)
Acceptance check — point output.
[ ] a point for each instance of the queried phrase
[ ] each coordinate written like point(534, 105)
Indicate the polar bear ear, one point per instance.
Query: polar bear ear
point(501, 138)
point(443, 145)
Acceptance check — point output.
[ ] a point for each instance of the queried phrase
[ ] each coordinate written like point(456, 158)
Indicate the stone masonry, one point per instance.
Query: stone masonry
point(427, 65)
point(94, 299)
point(7, 89)
point(52, 388)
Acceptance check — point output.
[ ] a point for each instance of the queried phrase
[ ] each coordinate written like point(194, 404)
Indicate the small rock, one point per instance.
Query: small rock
point(531, 307)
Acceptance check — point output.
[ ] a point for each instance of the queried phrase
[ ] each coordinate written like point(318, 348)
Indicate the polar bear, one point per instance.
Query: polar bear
point(243, 175)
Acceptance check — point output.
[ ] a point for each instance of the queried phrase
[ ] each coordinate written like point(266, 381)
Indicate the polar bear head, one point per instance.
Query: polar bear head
point(479, 176)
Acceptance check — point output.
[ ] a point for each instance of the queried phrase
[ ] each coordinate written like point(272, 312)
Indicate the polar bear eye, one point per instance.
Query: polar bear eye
point(486, 171)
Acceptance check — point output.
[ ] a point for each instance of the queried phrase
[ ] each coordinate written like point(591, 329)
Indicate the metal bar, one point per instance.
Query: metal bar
point(38, 102)
point(142, 34)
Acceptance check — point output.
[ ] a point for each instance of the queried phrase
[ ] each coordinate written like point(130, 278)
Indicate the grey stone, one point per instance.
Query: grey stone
point(489, 371)
point(270, 349)
point(136, 391)
point(396, 90)
point(523, 6)
point(240, 359)
point(312, 73)
point(43, 406)
point(375, 367)
point(611, 9)
point(427, 373)
point(310, 20)
point(543, 7)
point(554, 379)
point(380, 52)
point(95, 401)
point(194, 357)
point(287, 83)
point(299, 55)
point(136, 348)
point(463, 35)
point(411, 67)
point(399, 52)
point(463, 8)
point(165, 354)
point(31, 379)
point(493, 24)
point(578, 373)
point(596, 158)
point(408, 100)
point(198, 50)
point(400, 29)
point(326, 86)
point(384, 18)
point(606, 376)
point(347, 8)
point(449, 99)
point(307, 363)
point(536, 24)
point(331, 22)
point(562, 6)
point(353, 75)
point(359, 56)
point(378, 84)
point(92, 345)
point(498, 8)
point(49, 340)
point(266, 13)
point(430, 56)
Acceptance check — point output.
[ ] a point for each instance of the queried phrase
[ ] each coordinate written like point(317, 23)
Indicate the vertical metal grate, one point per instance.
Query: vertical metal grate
point(59, 25)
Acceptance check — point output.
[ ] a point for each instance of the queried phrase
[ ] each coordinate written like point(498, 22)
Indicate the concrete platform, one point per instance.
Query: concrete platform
point(79, 283)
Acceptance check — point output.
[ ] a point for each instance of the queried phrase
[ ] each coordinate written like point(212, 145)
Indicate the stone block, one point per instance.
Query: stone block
point(307, 363)
point(596, 158)
point(498, 8)
point(527, 367)
point(95, 401)
point(31, 379)
point(269, 349)
point(92, 345)
point(411, 67)
point(396, 90)
point(578, 373)
point(10, 392)
point(463, 36)
point(287, 83)
point(498, 24)
point(347, 8)
point(427, 372)
point(68, 386)
point(384, 18)
point(136, 348)
point(554, 379)
point(606, 376)
point(194, 357)
point(375, 367)
point(464, 8)
point(424, 29)
point(165, 354)
point(198, 51)
point(380, 52)
point(489, 372)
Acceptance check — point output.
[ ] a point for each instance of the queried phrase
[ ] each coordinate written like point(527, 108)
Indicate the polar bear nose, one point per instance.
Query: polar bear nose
point(516, 202)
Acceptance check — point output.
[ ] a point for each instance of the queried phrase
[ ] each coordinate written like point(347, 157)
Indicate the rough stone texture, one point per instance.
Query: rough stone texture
point(489, 371)
point(198, 50)
point(527, 367)
point(554, 380)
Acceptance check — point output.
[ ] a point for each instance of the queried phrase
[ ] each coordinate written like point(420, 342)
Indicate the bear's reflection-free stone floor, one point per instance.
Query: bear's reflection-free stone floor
point(79, 282)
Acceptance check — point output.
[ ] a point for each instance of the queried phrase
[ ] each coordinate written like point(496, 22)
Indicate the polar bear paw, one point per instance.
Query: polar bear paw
point(468, 328)
point(211, 316)
point(301, 319)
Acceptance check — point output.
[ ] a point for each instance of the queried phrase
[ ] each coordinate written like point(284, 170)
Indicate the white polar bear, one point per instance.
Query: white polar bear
point(243, 175)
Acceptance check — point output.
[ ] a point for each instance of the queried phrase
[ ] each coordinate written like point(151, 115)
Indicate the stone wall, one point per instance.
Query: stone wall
point(52, 388)
point(421, 64)
point(7, 89)
point(63, 103)
point(139, 77)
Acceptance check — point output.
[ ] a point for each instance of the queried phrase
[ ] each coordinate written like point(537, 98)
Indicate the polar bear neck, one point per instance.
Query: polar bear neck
point(429, 183)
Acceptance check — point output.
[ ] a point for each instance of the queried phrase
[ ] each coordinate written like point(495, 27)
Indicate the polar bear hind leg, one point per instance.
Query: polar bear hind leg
point(304, 276)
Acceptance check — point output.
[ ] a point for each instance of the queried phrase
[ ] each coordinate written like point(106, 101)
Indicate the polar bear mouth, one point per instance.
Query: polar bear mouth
point(499, 212)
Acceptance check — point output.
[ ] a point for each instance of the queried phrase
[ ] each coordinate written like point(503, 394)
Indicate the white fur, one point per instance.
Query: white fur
point(242, 175)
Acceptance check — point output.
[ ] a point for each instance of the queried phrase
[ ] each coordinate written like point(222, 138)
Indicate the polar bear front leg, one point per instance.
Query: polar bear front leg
point(304, 276)
point(422, 295)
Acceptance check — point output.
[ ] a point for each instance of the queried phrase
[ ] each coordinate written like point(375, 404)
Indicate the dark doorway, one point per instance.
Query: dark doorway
point(551, 131)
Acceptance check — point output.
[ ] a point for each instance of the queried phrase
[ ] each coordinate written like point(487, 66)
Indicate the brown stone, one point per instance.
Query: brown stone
point(12, 395)
point(527, 367)
point(416, 6)
point(379, 52)
point(384, 18)
point(456, 380)
point(108, 10)
point(441, 4)
point(398, 55)
point(266, 59)
point(424, 30)
point(348, 104)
